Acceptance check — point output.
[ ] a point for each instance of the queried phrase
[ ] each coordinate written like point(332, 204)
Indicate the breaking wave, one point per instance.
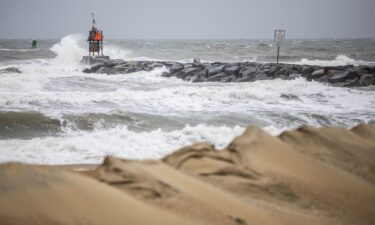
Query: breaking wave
point(340, 60)
point(91, 147)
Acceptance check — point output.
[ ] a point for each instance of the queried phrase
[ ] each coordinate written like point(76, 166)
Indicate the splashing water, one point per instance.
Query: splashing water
point(79, 118)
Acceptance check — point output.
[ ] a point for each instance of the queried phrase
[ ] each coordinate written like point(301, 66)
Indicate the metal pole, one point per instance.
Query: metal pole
point(278, 52)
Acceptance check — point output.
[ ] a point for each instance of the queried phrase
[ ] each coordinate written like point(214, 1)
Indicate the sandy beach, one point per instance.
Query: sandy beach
point(306, 176)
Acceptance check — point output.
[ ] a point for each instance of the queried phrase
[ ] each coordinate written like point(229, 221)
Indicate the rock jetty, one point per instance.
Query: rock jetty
point(340, 76)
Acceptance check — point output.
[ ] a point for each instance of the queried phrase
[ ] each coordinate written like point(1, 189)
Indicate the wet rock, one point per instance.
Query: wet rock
point(166, 74)
point(213, 70)
point(262, 77)
point(246, 79)
point(187, 72)
point(176, 67)
point(197, 78)
point(104, 70)
point(230, 78)
point(10, 70)
point(247, 71)
point(217, 77)
point(271, 71)
point(317, 74)
point(232, 70)
point(347, 83)
point(86, 70)
point(367, 80)
point(282, 71)
point(341, 77)
point(323, 79)
point(307, 71)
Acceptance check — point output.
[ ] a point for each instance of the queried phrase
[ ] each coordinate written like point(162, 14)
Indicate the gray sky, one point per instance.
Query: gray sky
point(150, 19)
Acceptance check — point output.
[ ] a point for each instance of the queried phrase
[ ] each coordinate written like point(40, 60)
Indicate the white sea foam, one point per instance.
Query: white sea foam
point(17, 50)
point(56, 87)
point(340, 60)
point(68, 50)
point(91, 147)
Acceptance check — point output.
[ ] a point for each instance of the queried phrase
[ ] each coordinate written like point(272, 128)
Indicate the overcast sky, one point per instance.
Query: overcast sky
point(183, 19)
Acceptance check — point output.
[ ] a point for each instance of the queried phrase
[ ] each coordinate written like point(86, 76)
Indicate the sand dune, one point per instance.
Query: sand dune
point(307, 176)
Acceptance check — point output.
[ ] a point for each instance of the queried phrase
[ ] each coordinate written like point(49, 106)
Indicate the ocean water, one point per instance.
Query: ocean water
point(52, 113)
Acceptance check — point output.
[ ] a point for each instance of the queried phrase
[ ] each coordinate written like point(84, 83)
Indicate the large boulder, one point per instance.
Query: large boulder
point(176, 67)
point(248, 71)
point(246, 79)
point(317, 74)
point(214, 69)
point(263, 76)
point(272, 70)
point(230, 78)
point(367, 80)
point(187, 72)
point(345, 75)
point(217, 77)
point(232, 70)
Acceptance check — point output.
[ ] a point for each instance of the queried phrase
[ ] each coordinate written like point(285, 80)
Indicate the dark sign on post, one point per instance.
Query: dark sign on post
point(279, 37)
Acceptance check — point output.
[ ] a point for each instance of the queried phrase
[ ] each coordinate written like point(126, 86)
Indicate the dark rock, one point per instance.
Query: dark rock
point(367, 80)
point(307, 71)
point(246, 79)
point(154, 65)
point(283, 77)
point(176, 67)
point(247, 71)
point(197, 78)
point(86, 70)
point(233, 69)
point(323, 79)
point(217, 77)
point(282, 71)
point(95, 68)
point(131, 70)
point(187, 72)
point(104, 70)
point(110, 64)
point(202, 73)
point(263, 77)
point(271, 71)
point(317, 74)
point(166, 74)
point(213, 70)
point(341, 77)
point(10, 70)
point(347, 83)
point(230, 78)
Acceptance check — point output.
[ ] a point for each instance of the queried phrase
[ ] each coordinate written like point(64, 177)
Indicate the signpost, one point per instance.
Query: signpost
point(279, 37)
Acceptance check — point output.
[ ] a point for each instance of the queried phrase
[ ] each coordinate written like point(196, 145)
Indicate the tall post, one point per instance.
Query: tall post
point(278, 53)
point(279, 36)
point(93, 19)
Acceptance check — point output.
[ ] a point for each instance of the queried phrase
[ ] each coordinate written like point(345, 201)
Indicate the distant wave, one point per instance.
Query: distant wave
point(17, 50)
point(27, 125)
point(340, 60)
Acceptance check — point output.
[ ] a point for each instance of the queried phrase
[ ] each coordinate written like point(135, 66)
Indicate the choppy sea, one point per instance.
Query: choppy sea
point(52, 113)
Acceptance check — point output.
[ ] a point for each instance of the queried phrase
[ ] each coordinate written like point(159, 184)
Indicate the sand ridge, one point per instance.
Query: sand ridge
point(306, 176)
